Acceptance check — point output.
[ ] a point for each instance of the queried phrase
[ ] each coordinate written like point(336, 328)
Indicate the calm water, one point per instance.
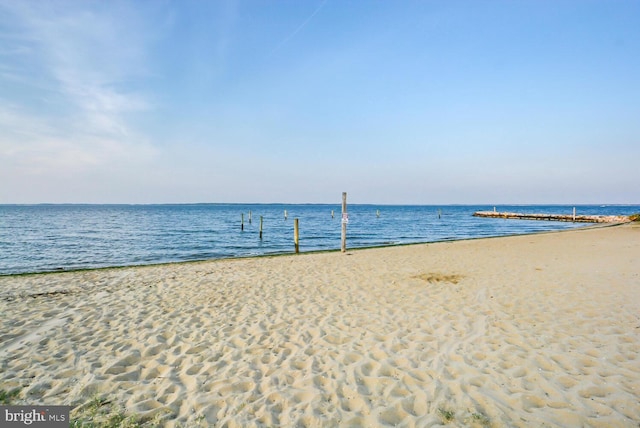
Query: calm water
point(38, 238)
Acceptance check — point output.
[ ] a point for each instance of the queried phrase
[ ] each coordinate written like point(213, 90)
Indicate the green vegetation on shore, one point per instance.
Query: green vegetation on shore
point(101, 412)
point(98, 412)
point(7, 397)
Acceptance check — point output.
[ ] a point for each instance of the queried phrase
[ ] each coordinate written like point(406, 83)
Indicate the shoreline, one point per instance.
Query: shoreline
point(535, 329)
point(86, 238)
point(292, 253)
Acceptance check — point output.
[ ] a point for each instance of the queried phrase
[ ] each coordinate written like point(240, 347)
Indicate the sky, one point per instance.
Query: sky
point(394, 102)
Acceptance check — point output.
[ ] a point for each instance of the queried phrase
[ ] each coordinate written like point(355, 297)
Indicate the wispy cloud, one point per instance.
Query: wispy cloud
point(87, 57)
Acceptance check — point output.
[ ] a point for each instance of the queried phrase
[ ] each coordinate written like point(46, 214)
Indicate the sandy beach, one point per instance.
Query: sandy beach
point(535, 330)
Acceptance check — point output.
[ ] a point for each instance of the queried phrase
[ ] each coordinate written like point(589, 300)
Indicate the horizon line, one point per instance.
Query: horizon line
point(602, 204)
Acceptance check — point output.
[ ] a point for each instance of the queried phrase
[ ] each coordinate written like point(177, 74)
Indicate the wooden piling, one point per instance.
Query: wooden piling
point(331, 213)
point(249, 217)
point(345, 220)
point(260, 227)
point(296, 235)
point(242, 221)
point(285, 214)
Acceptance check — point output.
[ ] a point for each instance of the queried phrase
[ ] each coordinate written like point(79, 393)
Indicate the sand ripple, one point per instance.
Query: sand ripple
point(524, 331)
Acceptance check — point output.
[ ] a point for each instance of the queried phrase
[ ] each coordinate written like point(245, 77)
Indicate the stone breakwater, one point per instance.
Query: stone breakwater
point(555, 217)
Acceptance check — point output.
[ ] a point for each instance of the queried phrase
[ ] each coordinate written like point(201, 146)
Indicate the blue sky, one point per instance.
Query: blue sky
point(423, 102)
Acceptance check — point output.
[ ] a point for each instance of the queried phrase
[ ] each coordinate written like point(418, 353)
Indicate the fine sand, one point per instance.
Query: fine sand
point(525, 331)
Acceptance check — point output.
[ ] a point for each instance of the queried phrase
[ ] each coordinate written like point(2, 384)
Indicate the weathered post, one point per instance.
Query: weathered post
point(285, 214)
point(331, 213)
point(260, 227)
point(378, 213)
point(345, 220)
point(574, 214)
point(296, 235)
point(249, 217)
point(242, 221)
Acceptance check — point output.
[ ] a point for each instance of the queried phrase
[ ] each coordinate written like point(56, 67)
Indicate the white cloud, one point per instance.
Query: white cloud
point(88, 57)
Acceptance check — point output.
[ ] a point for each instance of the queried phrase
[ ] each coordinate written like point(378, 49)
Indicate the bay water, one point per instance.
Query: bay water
point(43, 238)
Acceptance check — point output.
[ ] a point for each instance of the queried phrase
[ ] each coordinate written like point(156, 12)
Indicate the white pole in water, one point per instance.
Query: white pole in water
point(345, 220)
point(574, 214)
point(285, 214)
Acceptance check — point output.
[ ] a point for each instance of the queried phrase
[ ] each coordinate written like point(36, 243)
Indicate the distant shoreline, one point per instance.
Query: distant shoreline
point(307, 203)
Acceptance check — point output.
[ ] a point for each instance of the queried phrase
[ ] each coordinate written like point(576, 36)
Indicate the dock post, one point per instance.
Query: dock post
point(242, 221)
point(249, 217)
point(296, 235)
point(285, 214)
point(260, 227)
point(345, 220)
point(331, 213)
